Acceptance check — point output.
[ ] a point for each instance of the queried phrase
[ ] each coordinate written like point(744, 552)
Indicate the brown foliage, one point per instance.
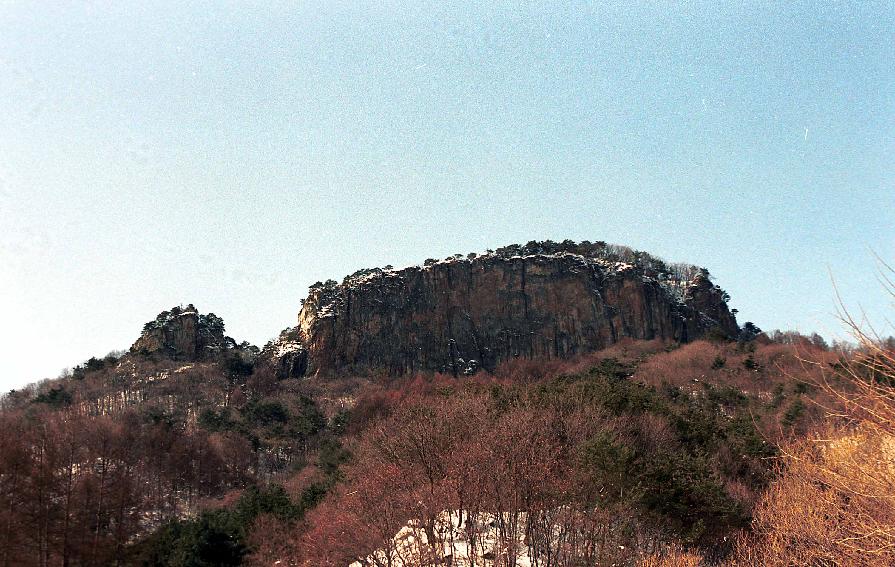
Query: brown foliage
point(507, 472)
point(75, 489)
point(834, 503)
point(672, 556)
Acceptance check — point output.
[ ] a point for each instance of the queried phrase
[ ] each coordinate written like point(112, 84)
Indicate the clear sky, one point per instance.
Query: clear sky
point(153, 154)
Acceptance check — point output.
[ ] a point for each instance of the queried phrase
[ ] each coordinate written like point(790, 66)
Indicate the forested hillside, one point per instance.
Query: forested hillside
point(622, 451)
point(94, 461)
point(194, 449)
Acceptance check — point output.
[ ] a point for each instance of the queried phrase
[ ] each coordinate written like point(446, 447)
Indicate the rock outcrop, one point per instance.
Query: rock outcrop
point(183, 334)
point(539, 300)
point(286, 355)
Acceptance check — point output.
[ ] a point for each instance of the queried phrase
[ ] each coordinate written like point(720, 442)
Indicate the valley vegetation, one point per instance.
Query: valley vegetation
point(631, 452)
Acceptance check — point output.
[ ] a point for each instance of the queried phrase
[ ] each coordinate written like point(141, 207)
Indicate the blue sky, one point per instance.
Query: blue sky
point(229, 155)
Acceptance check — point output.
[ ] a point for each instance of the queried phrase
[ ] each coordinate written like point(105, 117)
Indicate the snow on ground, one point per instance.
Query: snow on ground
point(410, 544)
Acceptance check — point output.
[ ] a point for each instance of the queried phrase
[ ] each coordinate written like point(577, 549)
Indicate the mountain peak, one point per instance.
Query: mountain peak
point(182, 333)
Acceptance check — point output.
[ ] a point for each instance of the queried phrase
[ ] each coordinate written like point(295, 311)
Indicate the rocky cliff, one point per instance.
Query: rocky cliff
point(286, 354)
point(183, 334)
point(539, 300)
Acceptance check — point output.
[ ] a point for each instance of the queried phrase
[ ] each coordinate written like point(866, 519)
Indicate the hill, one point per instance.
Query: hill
point(585, 388)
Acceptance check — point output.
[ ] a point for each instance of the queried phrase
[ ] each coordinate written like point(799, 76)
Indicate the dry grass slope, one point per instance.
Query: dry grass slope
point(834, 503)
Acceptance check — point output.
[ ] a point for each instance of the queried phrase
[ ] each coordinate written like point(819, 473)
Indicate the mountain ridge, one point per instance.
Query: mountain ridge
point(543, 299)
point(469, 313)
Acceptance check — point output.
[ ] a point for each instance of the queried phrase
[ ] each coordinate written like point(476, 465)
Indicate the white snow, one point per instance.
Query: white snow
point(328, 303)
point(285, 348)
point(411, 543)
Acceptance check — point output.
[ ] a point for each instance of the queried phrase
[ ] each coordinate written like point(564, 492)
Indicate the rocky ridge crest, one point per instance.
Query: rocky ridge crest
point(543, 299)
point(182, 333)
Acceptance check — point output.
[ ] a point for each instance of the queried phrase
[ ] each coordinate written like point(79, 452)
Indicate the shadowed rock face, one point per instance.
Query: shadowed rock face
point(464, 314)
point(286, 355)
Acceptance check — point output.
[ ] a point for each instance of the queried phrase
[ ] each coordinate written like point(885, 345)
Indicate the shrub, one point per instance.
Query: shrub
point(793, 413)
point(216, 420)
point(608, 465)
point(683, 489)
point(56, 397)
point(308, 421)
point(727, 396)
point(216, 537)
point(265, 413)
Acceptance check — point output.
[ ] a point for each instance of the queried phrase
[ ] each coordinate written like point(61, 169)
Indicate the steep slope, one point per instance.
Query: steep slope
point(539, 300)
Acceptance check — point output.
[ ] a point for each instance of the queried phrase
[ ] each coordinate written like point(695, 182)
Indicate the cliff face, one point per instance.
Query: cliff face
point(286, 355)
point(460, 315)
point(183, 334)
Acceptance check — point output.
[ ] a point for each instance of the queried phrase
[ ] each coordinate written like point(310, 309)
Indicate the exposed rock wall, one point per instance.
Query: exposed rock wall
point(183, 334)
point(463, 314)
point(286, 355)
